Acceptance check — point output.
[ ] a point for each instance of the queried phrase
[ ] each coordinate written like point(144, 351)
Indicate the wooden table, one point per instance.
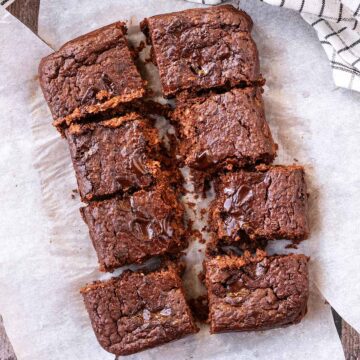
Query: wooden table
point(27, 11)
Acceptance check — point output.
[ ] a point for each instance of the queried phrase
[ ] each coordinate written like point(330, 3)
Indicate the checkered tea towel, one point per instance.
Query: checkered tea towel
point(337, 25)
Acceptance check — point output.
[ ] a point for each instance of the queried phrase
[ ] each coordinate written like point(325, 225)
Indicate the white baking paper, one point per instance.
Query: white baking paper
point(314, 123)
point(46, 254)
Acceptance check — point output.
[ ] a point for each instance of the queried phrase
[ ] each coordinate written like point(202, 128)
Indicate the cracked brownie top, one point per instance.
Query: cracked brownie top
point(136, 227)
point(117, 155)
point(224, 130)
point(202, 48)
point(256, 292)
point(137, 311)
point(90, 74)
point(269, 203)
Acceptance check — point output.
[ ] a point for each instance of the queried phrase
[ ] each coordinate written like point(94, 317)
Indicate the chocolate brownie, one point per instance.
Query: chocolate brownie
point(224, 130)
point(136, 311)
point(90, 74)
point(256, 292)
point(202, 48)
point(116, 155)
point(270, 203)
point(134, 228)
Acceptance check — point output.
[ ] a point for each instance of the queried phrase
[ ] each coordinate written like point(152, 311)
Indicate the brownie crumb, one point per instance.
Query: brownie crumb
point(206, 228)
point(190, 204)
point(200, 308)
point(141, 47)
point(291, 246)
point(201, 239)
point(201, 277)
point(190, 224)
point(196, 235)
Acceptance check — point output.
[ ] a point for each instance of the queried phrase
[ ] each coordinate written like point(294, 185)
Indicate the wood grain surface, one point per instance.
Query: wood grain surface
point(27, 11)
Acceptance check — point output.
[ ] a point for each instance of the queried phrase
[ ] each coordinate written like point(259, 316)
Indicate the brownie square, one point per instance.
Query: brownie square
point(136, 227)
point(256, 292)
point(270, 203)
point(224, 130)
point(116, 155)
point(202, 48)
point(136, 311)
point(90, 74)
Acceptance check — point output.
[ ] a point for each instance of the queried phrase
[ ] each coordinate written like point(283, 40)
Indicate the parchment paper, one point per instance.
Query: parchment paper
point(313, 122)
point(46, 254)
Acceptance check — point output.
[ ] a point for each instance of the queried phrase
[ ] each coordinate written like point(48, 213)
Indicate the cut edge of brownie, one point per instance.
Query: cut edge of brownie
point(165, 269)
point(106, 102)
point(144, 106)
point(235, 263)
point(114, 122)
point(236, 247)
point(80, 114)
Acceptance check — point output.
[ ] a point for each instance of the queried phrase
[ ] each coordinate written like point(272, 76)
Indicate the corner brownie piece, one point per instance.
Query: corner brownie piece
point(90, 74)
point(202, 48)
point(134, 228)
point(116, 155)
point(256, 292)
point(137, 311)
point(270, 203)
point(224, 130)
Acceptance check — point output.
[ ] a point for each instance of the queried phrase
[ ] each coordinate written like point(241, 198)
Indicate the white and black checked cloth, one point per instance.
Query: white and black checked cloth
point(337, 25)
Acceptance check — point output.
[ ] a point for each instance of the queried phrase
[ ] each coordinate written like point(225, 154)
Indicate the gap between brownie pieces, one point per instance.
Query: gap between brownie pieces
point(203, 177)
point(172, 180)
point(90, 111)
point(186, 94)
